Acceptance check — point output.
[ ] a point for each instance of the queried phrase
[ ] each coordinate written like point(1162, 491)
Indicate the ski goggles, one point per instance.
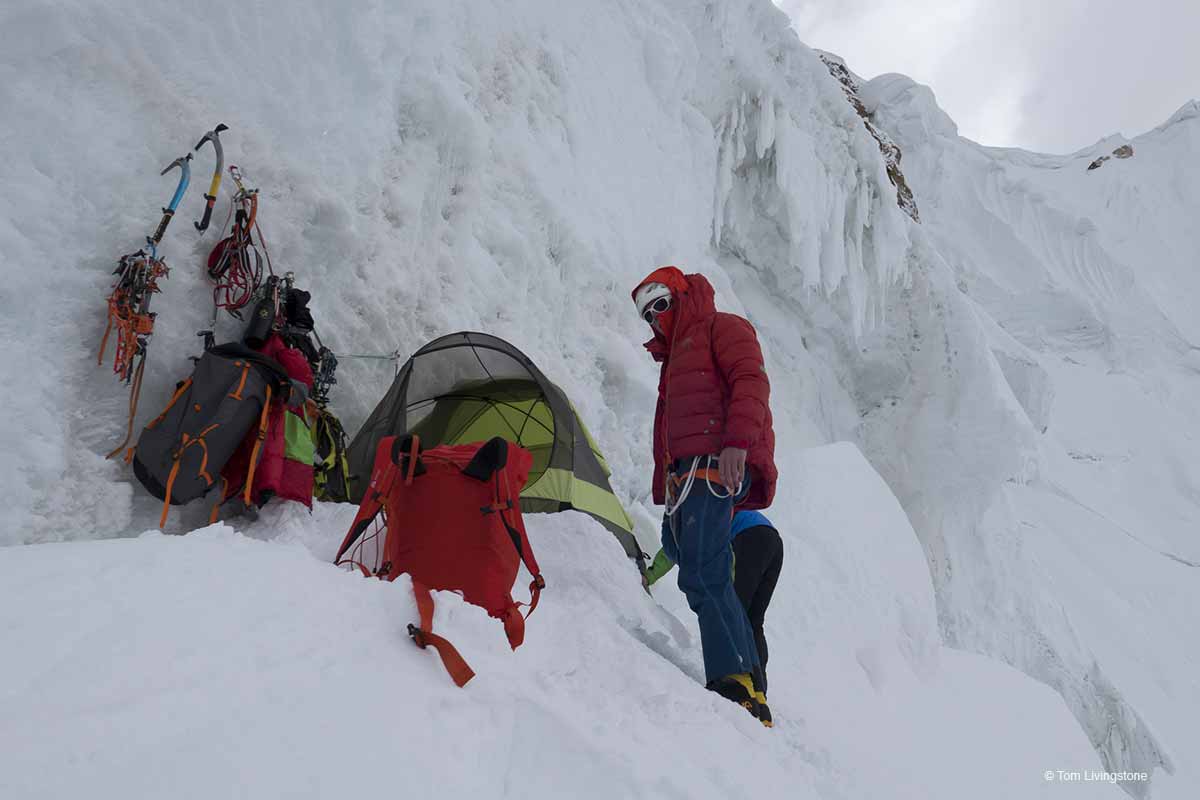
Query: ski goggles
point(654, 309)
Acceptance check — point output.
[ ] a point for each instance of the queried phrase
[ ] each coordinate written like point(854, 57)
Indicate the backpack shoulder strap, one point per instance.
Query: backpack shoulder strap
point(504, 504)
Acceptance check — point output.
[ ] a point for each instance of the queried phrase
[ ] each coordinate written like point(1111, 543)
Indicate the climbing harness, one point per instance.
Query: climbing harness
point(708, 473)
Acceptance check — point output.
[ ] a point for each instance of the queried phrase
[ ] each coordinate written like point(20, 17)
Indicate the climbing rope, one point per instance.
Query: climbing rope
point(235, 264)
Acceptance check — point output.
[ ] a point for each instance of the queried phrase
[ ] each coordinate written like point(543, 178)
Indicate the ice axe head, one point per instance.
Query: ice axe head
point(212, 136)
point(180, 162)
point(169, 211)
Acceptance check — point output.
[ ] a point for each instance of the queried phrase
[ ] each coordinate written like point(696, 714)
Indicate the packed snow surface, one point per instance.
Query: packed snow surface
point(988, 579)
point(220, 666)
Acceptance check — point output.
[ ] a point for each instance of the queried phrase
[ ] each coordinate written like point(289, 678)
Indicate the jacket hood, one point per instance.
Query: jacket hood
point(671, 277)
point(694, 299)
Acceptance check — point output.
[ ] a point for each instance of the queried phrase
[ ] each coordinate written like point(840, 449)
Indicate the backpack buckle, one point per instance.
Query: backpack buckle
point(505, 506)
point(418, 635)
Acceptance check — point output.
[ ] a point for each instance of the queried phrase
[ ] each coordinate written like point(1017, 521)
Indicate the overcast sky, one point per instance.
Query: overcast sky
point(1046, 75)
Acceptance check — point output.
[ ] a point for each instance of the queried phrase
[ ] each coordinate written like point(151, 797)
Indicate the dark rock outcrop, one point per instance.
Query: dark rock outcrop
point(889, 149)
point(1124, 151)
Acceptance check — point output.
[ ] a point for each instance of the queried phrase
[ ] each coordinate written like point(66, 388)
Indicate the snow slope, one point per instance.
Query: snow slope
point(217, 665)
point(516, 168)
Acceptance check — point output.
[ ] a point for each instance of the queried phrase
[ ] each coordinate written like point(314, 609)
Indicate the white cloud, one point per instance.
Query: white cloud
point(1053, 75)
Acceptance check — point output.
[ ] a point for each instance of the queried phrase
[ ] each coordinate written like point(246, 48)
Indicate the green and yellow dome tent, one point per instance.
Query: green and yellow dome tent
point(469, 387)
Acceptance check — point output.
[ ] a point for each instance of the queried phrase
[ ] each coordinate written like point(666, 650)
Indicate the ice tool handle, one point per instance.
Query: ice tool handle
point(168, 212)
point(210, 199)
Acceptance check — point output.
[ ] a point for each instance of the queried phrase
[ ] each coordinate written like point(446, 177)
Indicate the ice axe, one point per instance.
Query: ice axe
point(169, 211)
point(213, 136)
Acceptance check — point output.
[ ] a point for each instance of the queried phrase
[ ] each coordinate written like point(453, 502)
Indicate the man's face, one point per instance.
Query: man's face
point(654, 310)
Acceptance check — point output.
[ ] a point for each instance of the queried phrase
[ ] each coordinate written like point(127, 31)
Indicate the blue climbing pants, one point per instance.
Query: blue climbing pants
point(697, 538)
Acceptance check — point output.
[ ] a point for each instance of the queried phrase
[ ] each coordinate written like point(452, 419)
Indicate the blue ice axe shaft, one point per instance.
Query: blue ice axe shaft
point(168, 212)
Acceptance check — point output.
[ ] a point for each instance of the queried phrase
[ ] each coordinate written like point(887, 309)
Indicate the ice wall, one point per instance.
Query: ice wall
point(422, 170)
point(1064, 271)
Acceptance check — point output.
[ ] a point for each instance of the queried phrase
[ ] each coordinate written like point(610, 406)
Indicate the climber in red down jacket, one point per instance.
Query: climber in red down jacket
point(714, 452)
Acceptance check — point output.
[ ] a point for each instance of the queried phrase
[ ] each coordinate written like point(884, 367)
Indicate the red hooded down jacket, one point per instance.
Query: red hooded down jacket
point(713, 390)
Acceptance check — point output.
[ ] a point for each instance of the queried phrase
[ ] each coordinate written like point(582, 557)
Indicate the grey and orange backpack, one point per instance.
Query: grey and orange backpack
point(180, 453)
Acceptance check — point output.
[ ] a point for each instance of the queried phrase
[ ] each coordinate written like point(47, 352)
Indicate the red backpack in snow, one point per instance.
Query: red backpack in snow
point(449, 517)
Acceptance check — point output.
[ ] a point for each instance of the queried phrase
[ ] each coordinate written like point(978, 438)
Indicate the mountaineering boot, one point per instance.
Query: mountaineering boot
point(759, 680)
point(737, 688)
point(740, 689)
point(763, 711)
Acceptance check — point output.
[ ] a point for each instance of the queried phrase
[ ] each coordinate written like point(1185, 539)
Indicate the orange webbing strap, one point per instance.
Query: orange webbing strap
point(162, 521)
point(216, 509)
point(514, 625)
point(245, 365)
point(261, 437)
point(424, 637)
point(183, 387)
point(104, 339)
point(135, 391)
point(535, 592)
point(203, 470)
point(252, 215)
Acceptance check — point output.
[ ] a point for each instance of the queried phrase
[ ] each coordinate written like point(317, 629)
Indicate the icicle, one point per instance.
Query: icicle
point(766, 125)
point(724, 182)
point(740, 131)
